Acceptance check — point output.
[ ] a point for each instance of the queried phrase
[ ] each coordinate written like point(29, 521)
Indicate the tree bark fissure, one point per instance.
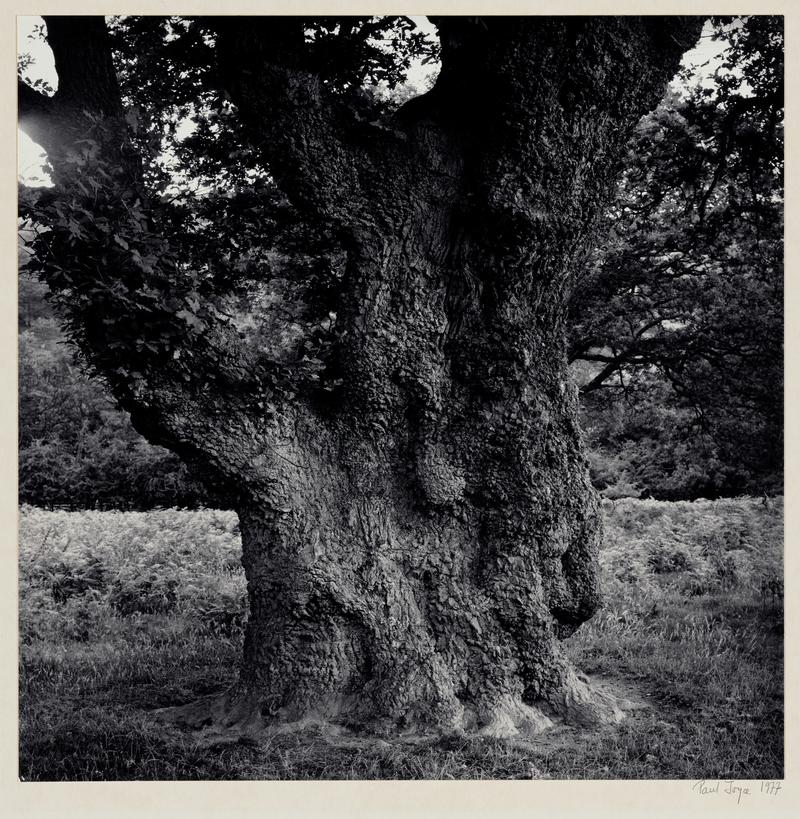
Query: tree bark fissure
point(416, 546)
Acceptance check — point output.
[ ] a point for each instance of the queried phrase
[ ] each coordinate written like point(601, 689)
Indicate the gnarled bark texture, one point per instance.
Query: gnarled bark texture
point(417, 544)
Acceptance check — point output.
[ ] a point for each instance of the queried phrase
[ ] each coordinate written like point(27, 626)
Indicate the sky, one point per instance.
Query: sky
point(30, 157)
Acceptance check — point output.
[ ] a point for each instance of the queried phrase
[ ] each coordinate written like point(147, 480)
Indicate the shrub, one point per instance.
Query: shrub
point(80, 567)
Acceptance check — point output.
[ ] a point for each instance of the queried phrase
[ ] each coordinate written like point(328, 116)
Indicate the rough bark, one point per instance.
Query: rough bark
point(417, 543)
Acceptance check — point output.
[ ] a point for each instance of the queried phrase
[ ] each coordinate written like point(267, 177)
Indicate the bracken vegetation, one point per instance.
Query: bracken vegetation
point(123, 612)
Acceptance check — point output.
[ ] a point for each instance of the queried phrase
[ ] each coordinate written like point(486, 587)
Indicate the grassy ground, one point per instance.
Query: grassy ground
point(121, 613)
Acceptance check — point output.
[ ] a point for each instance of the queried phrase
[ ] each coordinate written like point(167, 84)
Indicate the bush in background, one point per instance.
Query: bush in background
point(76, 449)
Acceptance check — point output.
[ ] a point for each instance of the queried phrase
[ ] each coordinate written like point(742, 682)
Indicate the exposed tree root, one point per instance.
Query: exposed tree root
point(236, 715)
point(585, 705)
point(218, 718)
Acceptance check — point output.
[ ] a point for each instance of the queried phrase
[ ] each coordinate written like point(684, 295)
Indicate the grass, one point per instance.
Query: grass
point(121, 613)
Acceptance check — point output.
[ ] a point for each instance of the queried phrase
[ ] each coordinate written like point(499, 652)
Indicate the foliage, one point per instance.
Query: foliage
point(680, 306)
point(692, 548)
point(643, 443)
point(209, 305)
point(75, 447)
point(170, 83)
point(685, 627)
point(128, 565)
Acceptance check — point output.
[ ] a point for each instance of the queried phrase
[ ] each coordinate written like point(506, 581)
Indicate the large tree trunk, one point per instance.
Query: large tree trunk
point(415, 561)
point(414, 557)
point(418, 539)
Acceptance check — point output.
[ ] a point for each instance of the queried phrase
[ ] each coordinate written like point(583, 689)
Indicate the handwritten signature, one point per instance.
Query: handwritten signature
point(732, 790)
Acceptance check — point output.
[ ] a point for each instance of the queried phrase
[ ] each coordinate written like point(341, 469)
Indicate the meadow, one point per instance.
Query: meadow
point(125, 612)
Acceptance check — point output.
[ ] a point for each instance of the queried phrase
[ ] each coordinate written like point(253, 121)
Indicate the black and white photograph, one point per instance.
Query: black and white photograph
point(402, 398)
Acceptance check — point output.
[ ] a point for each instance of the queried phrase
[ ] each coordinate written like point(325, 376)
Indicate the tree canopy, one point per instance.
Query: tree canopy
point(681, 304)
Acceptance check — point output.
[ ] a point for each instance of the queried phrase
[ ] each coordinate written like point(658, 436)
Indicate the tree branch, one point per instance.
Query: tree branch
point(298, 128)
point(614, 365)
point(30, 102)
point(641, 351)
point(82, 52)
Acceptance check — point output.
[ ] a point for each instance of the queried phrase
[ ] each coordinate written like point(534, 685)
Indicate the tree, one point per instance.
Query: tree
point(686, 286)
point(389, 401)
